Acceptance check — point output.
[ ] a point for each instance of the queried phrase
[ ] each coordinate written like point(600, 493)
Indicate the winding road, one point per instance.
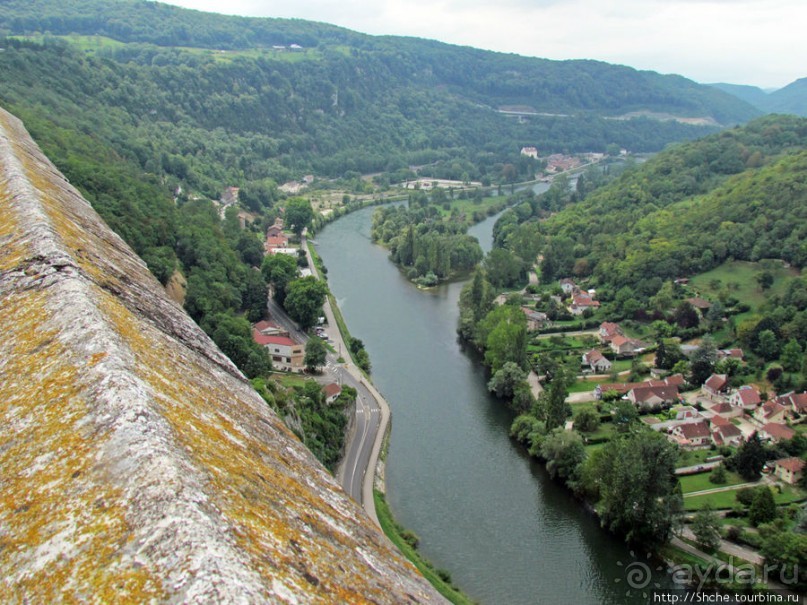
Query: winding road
point(356, 472)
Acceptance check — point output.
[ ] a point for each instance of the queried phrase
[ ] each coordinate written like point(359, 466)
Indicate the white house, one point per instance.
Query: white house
point(595, 360)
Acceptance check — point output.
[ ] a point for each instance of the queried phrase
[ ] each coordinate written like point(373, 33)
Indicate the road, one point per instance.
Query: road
point(356, 472)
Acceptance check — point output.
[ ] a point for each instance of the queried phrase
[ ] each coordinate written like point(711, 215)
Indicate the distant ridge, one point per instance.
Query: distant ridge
point(138, 465)
point(790, 99)
point(490, 78)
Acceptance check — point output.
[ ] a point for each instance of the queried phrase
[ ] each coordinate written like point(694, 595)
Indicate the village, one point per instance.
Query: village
point(709, 419)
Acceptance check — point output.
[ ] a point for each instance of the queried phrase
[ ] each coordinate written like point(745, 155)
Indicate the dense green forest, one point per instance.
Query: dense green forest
point(735, 195)
point(494, 79)
point(426, 240)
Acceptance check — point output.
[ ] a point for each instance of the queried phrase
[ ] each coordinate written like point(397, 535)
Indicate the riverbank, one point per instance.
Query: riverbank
point(481, 507)
point(407, 542)
point(373, 500)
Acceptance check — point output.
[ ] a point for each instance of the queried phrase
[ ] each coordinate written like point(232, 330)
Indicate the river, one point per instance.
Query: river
point(482, 508)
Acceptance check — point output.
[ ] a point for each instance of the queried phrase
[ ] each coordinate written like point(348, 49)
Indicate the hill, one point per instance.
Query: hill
point(735, 195)
point(753, 95)
point(138, 464)
point(790, 99)
point(492, 79)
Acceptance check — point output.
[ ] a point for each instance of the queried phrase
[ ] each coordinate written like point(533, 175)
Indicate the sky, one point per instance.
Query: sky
point(756, 42)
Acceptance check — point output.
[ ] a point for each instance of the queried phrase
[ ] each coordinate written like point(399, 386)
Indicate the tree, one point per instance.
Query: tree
point(763, 507)
point(254, 295)
point(706, 527)
point(298, 214)
point(668, 354)
point(703, 362)
point(556, 409)
point(587, 420)
point(718, 475)
point(625, 414)
point(791, 355)
point(315, 353)
point(750, 458)
point(685, 315)
point(768, 345)
point(503, 269)
point(787, 552)
point(564, 452)
point(279, 270)
point(505, 380)
point(304, 300)
point(640, 496)
point(503, 336)
point(764, 279)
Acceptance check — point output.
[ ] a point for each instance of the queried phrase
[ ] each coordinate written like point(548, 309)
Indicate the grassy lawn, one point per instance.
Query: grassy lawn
point(288, 380)
point(743, 274)
point(590, 449)
point(468, 207)
point(585, 405)
point(699, 482)
point(727, 499)
point(693, 457)
point(605, 431)
point(394, 532)
point(717, 501)
point(583, 386)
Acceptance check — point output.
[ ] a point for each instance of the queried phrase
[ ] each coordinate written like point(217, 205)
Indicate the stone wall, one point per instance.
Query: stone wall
point(136, 463)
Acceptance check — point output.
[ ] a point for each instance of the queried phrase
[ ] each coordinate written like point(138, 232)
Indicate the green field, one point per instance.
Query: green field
point(468, 207)
point(727, 499)
point(739, 278)
point(699, 482)
point(693, 457)
point(288, 379)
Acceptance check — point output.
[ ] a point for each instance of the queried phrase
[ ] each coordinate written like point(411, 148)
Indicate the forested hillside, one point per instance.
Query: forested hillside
point(737, 195)
point(152, 111)
point(790, 99)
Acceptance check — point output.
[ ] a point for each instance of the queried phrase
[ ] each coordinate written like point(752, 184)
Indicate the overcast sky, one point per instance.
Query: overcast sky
point(758, 42)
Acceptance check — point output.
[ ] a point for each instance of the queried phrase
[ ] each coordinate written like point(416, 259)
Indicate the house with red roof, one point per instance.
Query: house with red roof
point(581, 302)
point(726, 410)
point(726, 434)
point(796, 403)
point(608, 330)
point(692, 435)
point(771, 411)
point(653, 397)
point(776, 432)
point(595, 360)
point(287, 354)
point(746, 397)
point(626, 347)
point(332, 391)
point(276, 240)
point(716, 385)
point(789, 470)
point(270, 328)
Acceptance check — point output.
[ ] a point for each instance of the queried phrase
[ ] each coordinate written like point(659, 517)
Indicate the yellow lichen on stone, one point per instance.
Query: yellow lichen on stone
point(136, 463)
point(241, 468)
point(61, 518)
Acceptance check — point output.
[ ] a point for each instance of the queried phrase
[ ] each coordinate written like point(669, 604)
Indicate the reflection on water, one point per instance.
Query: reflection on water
point(482, 508)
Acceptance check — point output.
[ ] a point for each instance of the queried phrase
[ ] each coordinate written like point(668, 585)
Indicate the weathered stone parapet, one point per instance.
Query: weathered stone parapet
point(136, 463)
